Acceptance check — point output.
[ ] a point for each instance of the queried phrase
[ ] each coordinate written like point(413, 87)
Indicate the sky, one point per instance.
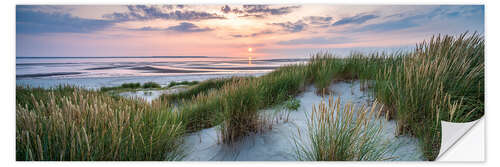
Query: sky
point(271, 31)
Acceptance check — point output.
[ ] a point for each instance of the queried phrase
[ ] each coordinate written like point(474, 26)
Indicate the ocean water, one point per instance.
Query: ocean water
point(95, 72)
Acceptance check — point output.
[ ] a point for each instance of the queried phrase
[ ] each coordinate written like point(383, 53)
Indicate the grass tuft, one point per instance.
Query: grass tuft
point(188, 83)
point(239, 111)
point(151, 85)
point(343, 133)
point(131, 87)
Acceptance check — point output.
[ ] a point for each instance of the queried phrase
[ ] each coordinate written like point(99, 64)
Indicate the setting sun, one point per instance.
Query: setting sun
point(249, 49)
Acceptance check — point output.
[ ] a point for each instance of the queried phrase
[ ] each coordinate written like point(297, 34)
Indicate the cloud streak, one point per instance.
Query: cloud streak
point(265, 9)
point(37, 22)
point(317, 40)
point(187, 27)
point(358, 19)
point(252, 34)
point(259, 11)
point(292, 27)
point(318, 20)
point(302, 24)
point(404, 21)
point(182, 27)
point(143, 12)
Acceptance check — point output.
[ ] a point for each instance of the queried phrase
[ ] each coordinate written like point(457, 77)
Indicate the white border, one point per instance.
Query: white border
point(7, 101)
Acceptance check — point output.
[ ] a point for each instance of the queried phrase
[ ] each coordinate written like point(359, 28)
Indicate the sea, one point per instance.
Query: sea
point(96, 72)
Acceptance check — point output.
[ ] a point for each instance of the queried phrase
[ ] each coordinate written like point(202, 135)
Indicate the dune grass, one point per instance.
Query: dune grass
point(198, 88)
point(131, 86)
point(68, 123)
point(150, 85)
point(291, 105)
point(239, 111)
point(442, 79)
point(188, 83)
point(343, 133)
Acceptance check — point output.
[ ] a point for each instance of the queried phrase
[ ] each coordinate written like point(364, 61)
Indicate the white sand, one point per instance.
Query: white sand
point(278, 145)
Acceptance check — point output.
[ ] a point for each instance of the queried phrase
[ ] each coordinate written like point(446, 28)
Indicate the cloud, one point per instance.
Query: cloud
point(358, 19)
point(318, 20)
point(148, 28)
point(292, 27)
point(182, 27)
point(143, 12)
point(226, 9)
point(440, 14)
point(302, 24)
point(44, 8)
point(317, 40)
point(390, 25)
point(259, 11)
point(187, 27)
point(268, 10)
point(453, 11)
point(252, 34)
point(174, 6)
point(37, 22)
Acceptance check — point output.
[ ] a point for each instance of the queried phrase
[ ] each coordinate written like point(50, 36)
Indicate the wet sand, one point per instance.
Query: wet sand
point(47, 74)
point(150, 69)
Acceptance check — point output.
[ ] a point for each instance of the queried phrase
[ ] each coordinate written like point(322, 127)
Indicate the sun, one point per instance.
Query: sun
point(250, 49)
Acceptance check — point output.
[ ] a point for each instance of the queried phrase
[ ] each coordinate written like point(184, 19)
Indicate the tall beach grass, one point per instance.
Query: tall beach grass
point(343, 133)
point(442, 80)
point(69, 123)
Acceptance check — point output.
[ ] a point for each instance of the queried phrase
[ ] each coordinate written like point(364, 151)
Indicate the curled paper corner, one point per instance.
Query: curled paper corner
point(452, 132)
